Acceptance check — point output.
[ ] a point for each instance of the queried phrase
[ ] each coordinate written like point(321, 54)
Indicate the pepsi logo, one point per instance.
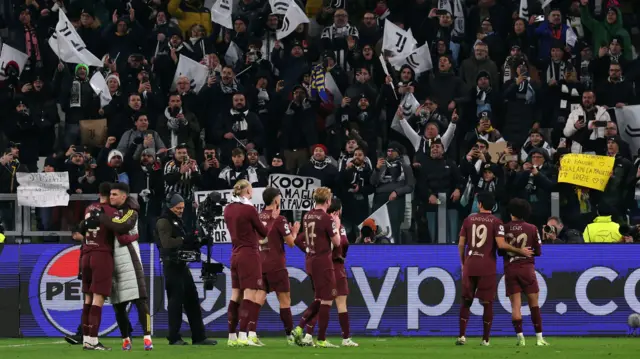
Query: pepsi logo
point(60, 293)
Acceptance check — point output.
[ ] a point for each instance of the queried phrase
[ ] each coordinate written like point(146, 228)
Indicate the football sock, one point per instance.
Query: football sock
point(233, 336)
point(287, 320)
point(465, 312)
point(517, 325)
point(253, 316)
point(310, 313)
point(536, 318)
point(95, 316)
point(323, 321)
point(232, 316)
point(487, 318)
point(245, 313)
point(85, 319)
point(311, 325)
point(344, 324)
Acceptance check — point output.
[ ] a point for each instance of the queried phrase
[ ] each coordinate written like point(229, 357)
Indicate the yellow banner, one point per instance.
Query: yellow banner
point(589, 171)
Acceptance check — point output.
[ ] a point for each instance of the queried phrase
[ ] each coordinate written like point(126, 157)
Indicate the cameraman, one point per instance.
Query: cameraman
point(181, 290)
point(555, 232)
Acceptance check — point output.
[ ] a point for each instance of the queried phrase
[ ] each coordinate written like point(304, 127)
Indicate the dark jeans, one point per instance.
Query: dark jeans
point(182, 293)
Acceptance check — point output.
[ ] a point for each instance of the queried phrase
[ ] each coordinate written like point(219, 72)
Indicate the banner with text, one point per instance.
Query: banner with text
point(221, 234)
point(410, 290)
point(297, 191)
point(589, 171)
point(44, 189)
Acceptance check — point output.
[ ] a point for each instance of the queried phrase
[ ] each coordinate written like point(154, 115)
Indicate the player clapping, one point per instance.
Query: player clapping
point(481, 233)
point(519, 271)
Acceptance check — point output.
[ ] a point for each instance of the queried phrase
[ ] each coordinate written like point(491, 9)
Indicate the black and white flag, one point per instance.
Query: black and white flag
point(398, 42)
point(524, 7)
point(197, 73)
point(9, 54)
point(68, 46)
point(279, 7)
point(419, 60)
point(221, 13)
point(294, 17)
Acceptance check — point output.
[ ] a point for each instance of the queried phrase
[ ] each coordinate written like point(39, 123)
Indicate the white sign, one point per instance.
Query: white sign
point(297, 191)
point(68, 45)
point(221, 234)
point(44, 189)
point(221, 13)
point(9, 54)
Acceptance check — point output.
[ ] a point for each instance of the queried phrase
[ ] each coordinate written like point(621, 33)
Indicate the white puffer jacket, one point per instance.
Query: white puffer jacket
point(128, 274)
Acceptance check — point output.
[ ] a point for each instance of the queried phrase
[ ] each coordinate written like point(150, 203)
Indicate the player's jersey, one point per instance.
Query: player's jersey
point(319, 227)
point(521, 234)
point(480, 232)
point(272, 247)
point(99, 239)
point(243, 224)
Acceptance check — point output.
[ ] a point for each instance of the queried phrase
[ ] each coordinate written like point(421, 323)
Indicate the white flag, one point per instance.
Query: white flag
point(383, 222)
point(68, 46)
point(410, 101)
point(524, 9)
point(331, 85)
point(279, 7)
point(233, 54)
point(195, 71)
point(458, 15)
point(419, 60)
point(445, 5)
point(99, 86)
point(9, 54)
point(628, 119)
point(294, 17)
point(572, 38)
point(399, 42)
point(221, 13)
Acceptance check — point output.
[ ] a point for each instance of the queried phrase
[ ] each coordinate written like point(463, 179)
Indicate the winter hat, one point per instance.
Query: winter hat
point(370, 223)
point(174, 199)
point(114, 76)
point(113, 154)
point(81, 66)
point(617, 40)
point(482, 74)
point(321, 146)
point(395, 146)
point(50, 161)
point(149, 151)
point(616, 139)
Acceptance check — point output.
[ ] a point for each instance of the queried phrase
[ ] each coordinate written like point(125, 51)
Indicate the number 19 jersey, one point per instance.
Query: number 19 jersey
point(480, 232)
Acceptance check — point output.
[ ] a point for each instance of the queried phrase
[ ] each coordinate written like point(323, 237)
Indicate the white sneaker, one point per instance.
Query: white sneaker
point(349, 343)
point(484, 343)
point(254, 342)
point(291, 340)
point(541, 342)
point(307, 341)
point(461, 341)
point(520, 341)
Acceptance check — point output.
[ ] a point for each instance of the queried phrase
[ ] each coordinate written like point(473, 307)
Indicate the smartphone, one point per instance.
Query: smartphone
point(440, 12)
point(599, 123)
point(581, 118)
point(511, 158)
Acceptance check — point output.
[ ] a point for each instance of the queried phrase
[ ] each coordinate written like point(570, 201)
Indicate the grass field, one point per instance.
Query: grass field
point(370, 348)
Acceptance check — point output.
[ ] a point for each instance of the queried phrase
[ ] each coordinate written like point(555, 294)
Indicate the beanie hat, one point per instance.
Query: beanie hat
point(320, 146)
point(113, 154)
point(149, 151)
point(114, 76)
point(79, 66)
point(174, 199)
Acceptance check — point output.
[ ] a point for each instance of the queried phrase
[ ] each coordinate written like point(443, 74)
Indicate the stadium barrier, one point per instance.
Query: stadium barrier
point(395, 291)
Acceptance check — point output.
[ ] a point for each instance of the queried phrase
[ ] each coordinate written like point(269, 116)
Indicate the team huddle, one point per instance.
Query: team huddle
point(258, 266)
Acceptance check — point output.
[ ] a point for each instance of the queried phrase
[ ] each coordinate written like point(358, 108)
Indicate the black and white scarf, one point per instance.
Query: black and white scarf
point(556, 70)
point(174, 124)
point(394, 172)
point(486, 186)
point(75, 100)
point(320, 165)
point(526, 92)
point(229, 89)
point(481, 95)
point(240, 125)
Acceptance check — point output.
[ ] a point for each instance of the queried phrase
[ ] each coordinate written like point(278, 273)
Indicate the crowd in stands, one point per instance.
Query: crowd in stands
point(545, 85)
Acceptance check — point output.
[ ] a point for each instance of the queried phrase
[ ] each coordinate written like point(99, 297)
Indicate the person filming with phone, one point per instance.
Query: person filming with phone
point(587, 122)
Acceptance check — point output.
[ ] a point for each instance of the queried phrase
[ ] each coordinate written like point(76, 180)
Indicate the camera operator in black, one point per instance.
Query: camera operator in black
point(181, 290)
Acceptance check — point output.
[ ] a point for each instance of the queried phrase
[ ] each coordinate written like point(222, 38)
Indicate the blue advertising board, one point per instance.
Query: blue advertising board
point(395, 290)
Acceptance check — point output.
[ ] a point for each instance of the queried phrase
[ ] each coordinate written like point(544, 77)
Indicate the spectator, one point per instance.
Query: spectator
point(520, 111)
point(78, 102)
point(480, 61)
point(142, 138)
point(551, 32)
point(181, 176)
point(28, 36)
point(298, 130)
point(371, 233)
point(535, 140)
point(581, 126)
point(393, 179)
point(606, 57)
point(189, 13)
point(277, 165)
point(437, 175)
point(603, 229)
point(210, 172)
point(615, 193)
point(535, 184)
point(484, 131)
point(616, 92)
point(369, 31)
point(22, 127)
point(447, 91)
point(556, 232)
point(603, 32)
point(123, 36)
point(179, 128)
point(147, 181)
point(238, 128)
point(355, 179)
point(238, 170)
point(253, 161)
point(341, 37)
point(321, 167)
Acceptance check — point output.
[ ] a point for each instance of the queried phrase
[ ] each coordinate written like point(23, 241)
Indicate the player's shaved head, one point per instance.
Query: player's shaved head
point(336, 205)
point(519, 208)
point(269, 195)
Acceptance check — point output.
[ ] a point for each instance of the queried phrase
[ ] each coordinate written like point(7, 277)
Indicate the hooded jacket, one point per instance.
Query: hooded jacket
point(603, 32)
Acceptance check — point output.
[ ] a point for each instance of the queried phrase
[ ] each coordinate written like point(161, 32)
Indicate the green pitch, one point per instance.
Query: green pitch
point(370, 348)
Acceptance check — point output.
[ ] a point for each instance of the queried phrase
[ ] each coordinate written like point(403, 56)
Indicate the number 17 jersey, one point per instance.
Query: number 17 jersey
point(480, 232)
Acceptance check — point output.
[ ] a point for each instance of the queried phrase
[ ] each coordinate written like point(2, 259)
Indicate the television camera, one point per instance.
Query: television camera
point(206, 222)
